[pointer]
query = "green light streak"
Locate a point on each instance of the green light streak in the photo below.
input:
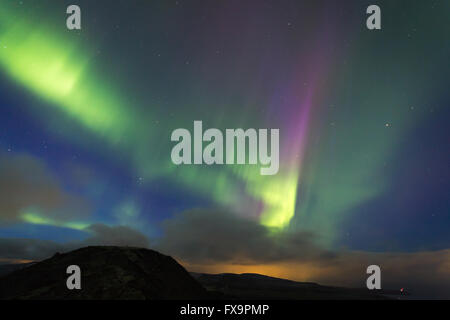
(35, 218)
(56, 68)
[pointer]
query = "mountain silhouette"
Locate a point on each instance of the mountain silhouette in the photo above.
(106, 273)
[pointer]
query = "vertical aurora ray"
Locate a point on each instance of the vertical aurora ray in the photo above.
(280, 194)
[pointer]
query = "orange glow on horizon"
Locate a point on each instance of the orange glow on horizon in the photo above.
(14, 261)
(304, 272)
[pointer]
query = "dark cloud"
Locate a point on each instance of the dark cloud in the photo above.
(25, 182)
(100, 235)
(115, 236)
(202, 235)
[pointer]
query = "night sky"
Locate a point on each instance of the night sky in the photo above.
(86, 117)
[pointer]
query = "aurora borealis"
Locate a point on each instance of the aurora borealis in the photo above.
(86, 119)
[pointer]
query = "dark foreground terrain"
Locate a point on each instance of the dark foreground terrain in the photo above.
(135, 273)
(107, 273)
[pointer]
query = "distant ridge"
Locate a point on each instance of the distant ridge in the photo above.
(256, 286)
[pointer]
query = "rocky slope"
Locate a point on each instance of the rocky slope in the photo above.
(106, 273)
